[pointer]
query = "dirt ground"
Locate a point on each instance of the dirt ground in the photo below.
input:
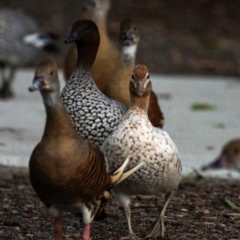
(198, 211)
(184, 36)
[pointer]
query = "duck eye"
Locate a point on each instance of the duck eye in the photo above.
(86, 28)
(135, 28)
(148, 76)
(51, 73)
(236, 151)
(132, 76)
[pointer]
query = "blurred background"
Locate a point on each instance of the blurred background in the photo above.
(177, 37)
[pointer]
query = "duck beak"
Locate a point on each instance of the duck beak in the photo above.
(72, 37)
(140, 90)
(127, 38)
(37, 84)
(219, 163)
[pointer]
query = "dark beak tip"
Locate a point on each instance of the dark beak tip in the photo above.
(215, 165)
(140, 94)
(204, 168)
(31, 89)
(68, 40)
(71, 38)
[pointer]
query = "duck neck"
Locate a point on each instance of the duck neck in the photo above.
(100, 18)
(86, 55)
(129, 53)
(57, 119)
(140, 103)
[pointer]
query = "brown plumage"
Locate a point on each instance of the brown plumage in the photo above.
(108, 54)
(67, 172)
(118, 86)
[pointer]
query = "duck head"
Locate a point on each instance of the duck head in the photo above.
(45, 77)
(129, 34)
(228, 159)
(140, 84)
(84, 32)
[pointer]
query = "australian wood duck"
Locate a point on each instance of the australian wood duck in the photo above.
(118, 86)
(21, 40)
(107, 55)
(94, 115)
(67, 172)
(135, 136)
(229, 157)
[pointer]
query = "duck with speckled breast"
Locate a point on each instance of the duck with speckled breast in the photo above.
(135, 136)
(93, 114)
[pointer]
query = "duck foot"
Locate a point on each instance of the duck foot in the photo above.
(5, 91)
(86, 232)
(130, 237)
(158, 230)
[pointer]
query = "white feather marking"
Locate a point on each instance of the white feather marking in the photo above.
(129, 52)
(86, 213)
(35, 40)
(145, 84)
(134, 83)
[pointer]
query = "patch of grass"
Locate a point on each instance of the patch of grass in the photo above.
(219, 125)
(210, 148)
(231, 204)
(202, 107)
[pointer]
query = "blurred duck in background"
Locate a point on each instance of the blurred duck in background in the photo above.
(228, 159)
(21, 40)
(118, 86)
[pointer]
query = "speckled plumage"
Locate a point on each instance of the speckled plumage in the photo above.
(93, 115)
(135, 136)
(21, 40)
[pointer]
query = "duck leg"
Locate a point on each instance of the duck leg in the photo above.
(86, 232)
(7, 78)
(159, 228)
(131, 234)
(58, 227)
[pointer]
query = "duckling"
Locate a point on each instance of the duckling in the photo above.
(22, 39)
(107, 55)
(229, 157)
(135, 136)
(67, 172)
(93, 115)
(117, 87)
